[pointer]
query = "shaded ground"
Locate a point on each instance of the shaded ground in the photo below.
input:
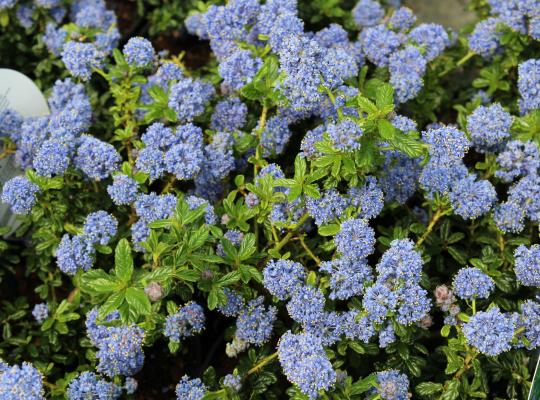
(450, 13)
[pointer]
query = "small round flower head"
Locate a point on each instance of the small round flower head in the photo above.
(140, 232)
(407, 68)
(10, 122)
(96, 332)
(491, 332)
(190, 389)
(123, 190)
(345, 135)
(139, 52)
(251, 200)
(81, 58)
(331, 36)
(189, 97)
(158, 136)
(283, 277)
(471, 198)
(400, 178)
(131, 385)
(329, 329)
(233, 381)
(489, 126)
(518, 159)
(392, 385)
(401, 261)
(357, 328)
(379, 43)
(328, 207)
(367, 13)
(196, 26)
(120, 351)
(347, 277)
(74, 253)
(530, 318)
(402, 19)
(527, 265)
(184, 161)
(444, 297)
(20, 194)
(414, 304)
(306, 305)
(254, 323)
(529, 85)
(356, 239)
(209, 214)
(100, 227)
(285, 26)
(152, 207)
(234, 304)
(275, 136)
(97, 159)
(440, 174)
(369, 198)
(387, 336)
(378, 301)
(486, 38)
(52, 158)
(431, 38)
(21, 383)
(6, 4)
(186, 322)
(305, 363)
(404, 124)
(534, 27)
(239, 68)
(88, 386)
(471, 283)
(446, 142)
(54, 38)
(508, 217)
(229, 115)
(151, 160)
(526, 194)
(40, 312)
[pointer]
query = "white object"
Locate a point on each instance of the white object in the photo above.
(21, 94)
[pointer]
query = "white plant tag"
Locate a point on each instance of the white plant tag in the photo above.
(19, 93)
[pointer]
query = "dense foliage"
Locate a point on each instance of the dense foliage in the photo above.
(339, 202)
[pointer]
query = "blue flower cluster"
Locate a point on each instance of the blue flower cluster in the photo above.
(472, 283)
(255, 322)
(491, 332)
(40, 312)
(186, 322)
(88, 386)
(78, 252)
(139, 52)
(120, 350)
(282, 278)
(20, 194)
(91, 35)
(489, 127)
(305, 363)
(190, 389)
(22, 382)
(527, 265)
(528, 82)
(392, 385)
(149, 208)
(123, 190)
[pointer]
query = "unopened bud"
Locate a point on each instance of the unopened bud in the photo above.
(154, 291)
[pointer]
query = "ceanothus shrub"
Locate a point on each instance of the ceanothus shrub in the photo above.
(342, 212)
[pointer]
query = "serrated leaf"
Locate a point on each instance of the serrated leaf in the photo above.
(123, 261)
(138, 301)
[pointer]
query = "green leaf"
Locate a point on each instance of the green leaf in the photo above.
(138, 301)
(247, 247)
(428, 388)
(363, 385)
(228, 279)
(123, 261)
(97, 281)
(113, 303)
(385, 96)
(452, 391)
(329, 230)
